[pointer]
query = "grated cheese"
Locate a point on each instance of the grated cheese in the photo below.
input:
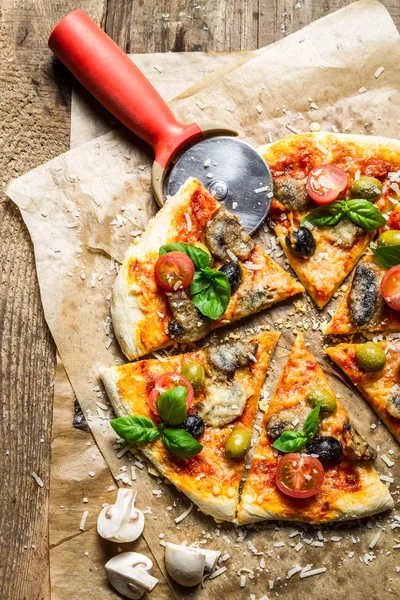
(387, 461)
(379, 72)
(261, 189)
(231, 255)
(218, 572)
(184, 514)
(312, 572)
(292, 129)
(252, 266)
(83, 520)
(188, 221)
(375, 540)
(38, 480)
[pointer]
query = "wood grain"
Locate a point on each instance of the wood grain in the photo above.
(34, 109)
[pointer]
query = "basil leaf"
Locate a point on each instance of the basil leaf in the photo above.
(325, 216)
(135, 429)
(311, 423)
(365, 214)
(387, 256)
(201, 281)
(180, 443)
(171, 405)
(289, 441)
(200, 259)
(212, 300)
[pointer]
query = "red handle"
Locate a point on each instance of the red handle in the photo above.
(106, 71)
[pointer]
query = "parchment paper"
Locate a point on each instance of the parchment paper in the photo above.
(70, 206)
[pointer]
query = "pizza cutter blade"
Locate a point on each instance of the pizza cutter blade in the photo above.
(237, 174)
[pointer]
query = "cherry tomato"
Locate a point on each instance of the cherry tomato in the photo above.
(166, 382)
(327, 183)
(298, 476)
(174, 271)
(393, 221)
(390, 287)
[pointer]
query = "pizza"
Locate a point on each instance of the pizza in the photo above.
(312, 171)
(180, 301)
(363, 307)
(204, 457)
(381, 387)
(331, 478)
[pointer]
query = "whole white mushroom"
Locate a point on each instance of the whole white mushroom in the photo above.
(121, 522)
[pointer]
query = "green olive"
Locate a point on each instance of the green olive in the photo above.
(238, 444)
(206, 250)
(366, 188)
(194, 373)
(328, 402)
(389, 238)
(370, 357)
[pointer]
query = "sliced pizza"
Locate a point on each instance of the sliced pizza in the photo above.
(195, 268)
(374, 368)
(310, 464)
(202, 449)
(363, 307)
(324, 171)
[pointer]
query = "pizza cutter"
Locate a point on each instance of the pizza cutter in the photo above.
(233, 171)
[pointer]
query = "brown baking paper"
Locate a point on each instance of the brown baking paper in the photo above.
(71, 205)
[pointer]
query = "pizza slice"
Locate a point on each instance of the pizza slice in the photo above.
(381, 387)
(311, 171)
(195, 268)
(322, 471)
(204, 456)
(363, 307)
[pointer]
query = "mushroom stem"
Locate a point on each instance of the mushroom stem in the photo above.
(142, 578)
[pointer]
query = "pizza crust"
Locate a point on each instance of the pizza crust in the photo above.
(373, 498)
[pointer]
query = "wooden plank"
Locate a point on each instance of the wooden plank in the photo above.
(190, 25)
(35, 127)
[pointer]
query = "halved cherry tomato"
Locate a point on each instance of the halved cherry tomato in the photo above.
(166, 382)
(299, 476)
(390, 287)
(327, 183)
(174, 271)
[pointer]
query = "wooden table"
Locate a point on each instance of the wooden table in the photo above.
(35, 106)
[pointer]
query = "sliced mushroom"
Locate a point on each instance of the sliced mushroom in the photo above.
(292, 193)
(226, 358)
(188, 324)
(354, 446)
(366, 302)
(130, 574)
(225, 401)
(253, 301)
(225, 233)
(344, 233)
(289, 419)
(393, 406)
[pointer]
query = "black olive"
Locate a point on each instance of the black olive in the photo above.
(175, 329)
(327, 448)
(233, 271)
(194, 425)
(301, 242)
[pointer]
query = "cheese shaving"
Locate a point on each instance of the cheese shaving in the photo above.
(188, 221)
(379, 72)
(37, 479)
(375, 540)
(184, 514)
(252, 266)
(218, 572)
(83, 520)
(312, 572)
(292, 129)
